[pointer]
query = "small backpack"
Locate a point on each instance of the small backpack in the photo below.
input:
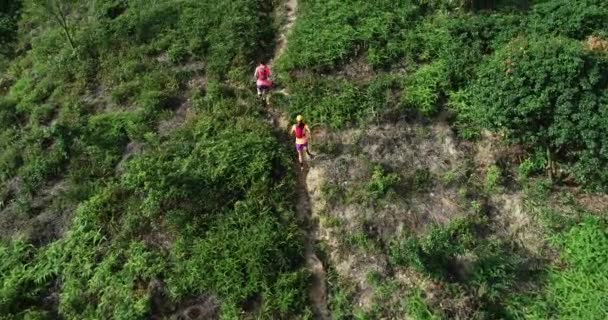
(300, 130)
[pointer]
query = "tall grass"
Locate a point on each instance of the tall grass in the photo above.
(575, 288)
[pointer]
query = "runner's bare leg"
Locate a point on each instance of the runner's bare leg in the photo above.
(300, 157)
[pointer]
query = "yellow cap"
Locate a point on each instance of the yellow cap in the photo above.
(299, 118)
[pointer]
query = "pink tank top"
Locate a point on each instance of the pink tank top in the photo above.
(263, 74)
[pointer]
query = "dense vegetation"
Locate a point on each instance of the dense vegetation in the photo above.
(142, 212)
(527, 74)
(138, 178)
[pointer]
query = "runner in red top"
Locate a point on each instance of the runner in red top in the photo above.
(263, 83)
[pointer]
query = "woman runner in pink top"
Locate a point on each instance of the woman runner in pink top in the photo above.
(302, 133)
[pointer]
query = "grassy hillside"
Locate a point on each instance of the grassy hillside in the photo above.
(461, 148)
(137, 178)
(452, 134)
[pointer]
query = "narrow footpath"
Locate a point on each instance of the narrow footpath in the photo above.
(318, 288)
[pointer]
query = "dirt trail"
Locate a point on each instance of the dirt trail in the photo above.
(318, 289)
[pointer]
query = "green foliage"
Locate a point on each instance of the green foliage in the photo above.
(15, 256)
(417, 307)
(211, 197)
(533, 164)
(422, 89)
(335, 102)
(330, 33)
(340, 294)
(239, 255)
(362, 241)
(357, 36)
(577, 19)
(576, 290)
(237, 239)
(286, 294)
(434, 253)
(545, 93)
(381, 182)
(468, 259)
(177, 53)
(245, 240)
(493, 178)
(9, 15)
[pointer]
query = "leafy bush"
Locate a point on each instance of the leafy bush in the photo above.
(536, 163)
(177, 53)
(493, 178)
(417, 307)
(341, 103)
(381, 182)
(459, 42)
(577, 19)
(544, 93)
(335, 102)
(436, 250)
(422, 89)
(422, 180)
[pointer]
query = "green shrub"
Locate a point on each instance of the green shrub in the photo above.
(381, 182)
(493, 178)
(435, 251)
(362, 241)
(417, 307)
(286, 294)
(577, 19)
(543, 93)
(533, 164)
(463, 255)
(422, 89)
(15, 255)
(330, 33)
(177, 53)
(8, 113)
(238, 253)
(459, 42)
(467, 122)
(340, 295)
(108, 130)
(10, 158)
(335, 102)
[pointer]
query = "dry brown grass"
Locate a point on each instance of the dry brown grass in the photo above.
(595, 43)
(404, 149)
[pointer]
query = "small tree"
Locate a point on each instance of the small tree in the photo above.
(57, 10)
(549, 94)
